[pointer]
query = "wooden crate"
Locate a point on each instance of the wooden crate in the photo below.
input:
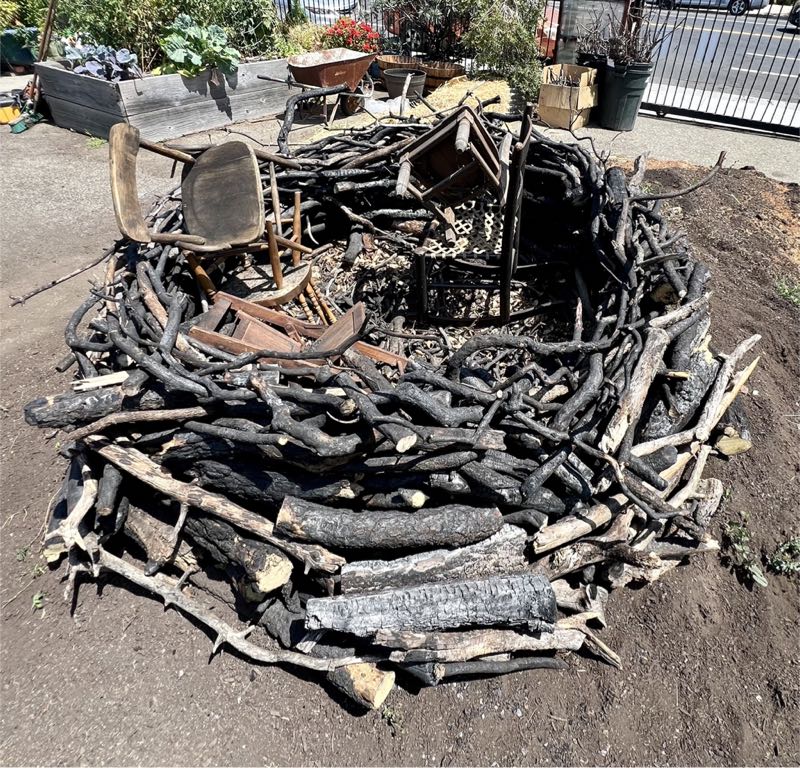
(565, 106)
(164, 106)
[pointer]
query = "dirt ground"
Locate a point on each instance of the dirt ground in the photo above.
(711, 669)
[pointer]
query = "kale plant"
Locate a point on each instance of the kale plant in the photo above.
(191, 49)
(102, 62)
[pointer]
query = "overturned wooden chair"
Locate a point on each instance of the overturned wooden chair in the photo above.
(223, 209)
(493, 275)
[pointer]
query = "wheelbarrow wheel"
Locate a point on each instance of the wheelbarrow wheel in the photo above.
(352, 104)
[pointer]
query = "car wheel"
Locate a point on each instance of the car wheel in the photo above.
(738, 7)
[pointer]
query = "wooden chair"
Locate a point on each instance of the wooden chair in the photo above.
(223, 208)
(481, 276)
(223, 204)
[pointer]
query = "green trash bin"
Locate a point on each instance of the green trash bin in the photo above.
(622, 93)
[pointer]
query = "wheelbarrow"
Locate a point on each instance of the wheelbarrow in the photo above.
(336, 71)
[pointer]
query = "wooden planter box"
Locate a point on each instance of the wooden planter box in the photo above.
(565, 106)
(164, 106)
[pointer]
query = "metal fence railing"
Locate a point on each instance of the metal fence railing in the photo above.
(741, 69)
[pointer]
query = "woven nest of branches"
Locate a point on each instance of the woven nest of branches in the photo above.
(463, 512)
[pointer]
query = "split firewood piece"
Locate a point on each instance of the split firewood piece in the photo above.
(170, 592)
(155, 538)
(97, 382)
(512, 600)
(632, 400)
(576, 526)
(733, 431)
(432, 673)
(256, 566)
(463, 646)
(452, 525)
(141, 467)
(503, 552)
(363, 683)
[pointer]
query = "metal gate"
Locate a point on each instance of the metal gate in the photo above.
(738, 69)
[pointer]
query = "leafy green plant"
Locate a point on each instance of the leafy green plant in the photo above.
(503, 37)
(191, 49)
(786, 558)
(300, 38)
(9, 11)
(37, 602)
(788, 288)
(22, 553)
(101, 61)
(252, 26)
(740, 556)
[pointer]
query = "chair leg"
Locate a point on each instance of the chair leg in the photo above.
(422, 283)
(203, 280)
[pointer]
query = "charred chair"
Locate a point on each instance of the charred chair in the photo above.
(222, 203)
(472, 274)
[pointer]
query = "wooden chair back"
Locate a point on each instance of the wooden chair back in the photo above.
(123, 148)
(223, 200)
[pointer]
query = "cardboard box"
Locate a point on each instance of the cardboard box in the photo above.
(565, 106)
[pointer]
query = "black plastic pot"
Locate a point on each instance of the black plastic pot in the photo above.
(395, 79)
(622, 92)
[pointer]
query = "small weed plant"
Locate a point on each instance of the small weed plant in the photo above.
(786, 558)
(740, 555)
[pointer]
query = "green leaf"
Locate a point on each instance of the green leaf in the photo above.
(758, 576)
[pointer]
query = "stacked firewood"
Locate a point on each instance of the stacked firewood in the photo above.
(463, 513)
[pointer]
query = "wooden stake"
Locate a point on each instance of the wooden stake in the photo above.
(274, 256)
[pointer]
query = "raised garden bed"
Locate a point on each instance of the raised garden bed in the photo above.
(163, 106)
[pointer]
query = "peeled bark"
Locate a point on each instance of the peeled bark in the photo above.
(504, 552)
(511, 600)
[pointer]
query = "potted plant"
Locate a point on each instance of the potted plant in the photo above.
(622, 50)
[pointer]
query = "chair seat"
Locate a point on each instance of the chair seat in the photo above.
(223, 200)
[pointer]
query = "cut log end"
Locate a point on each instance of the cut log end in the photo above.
(364, 684)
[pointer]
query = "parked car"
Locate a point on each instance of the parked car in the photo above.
(734, 7)
(794, 14)
(320, 12)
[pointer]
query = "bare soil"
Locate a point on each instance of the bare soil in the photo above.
(712, 669)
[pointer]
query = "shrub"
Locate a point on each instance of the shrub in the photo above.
(9, 11)
(349, 33)
(300, 38)
(503, 37)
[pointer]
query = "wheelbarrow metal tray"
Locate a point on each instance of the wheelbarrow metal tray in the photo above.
(336, 66)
